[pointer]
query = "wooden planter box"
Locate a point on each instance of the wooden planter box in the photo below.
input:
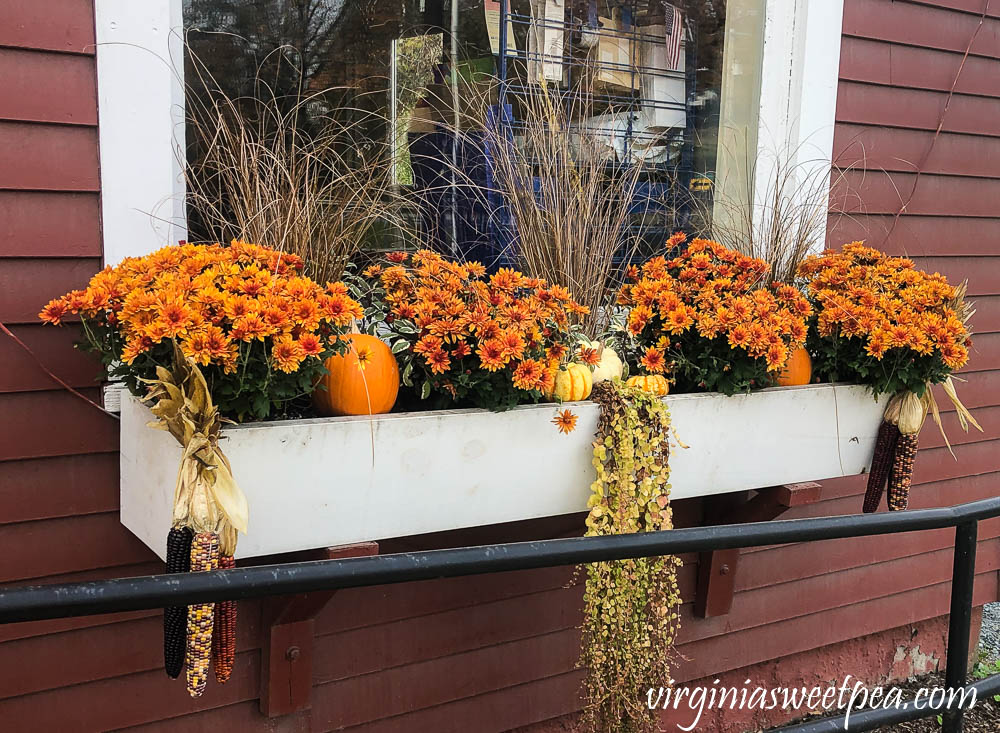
(332, 481)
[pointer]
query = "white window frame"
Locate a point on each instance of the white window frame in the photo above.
(141, 109)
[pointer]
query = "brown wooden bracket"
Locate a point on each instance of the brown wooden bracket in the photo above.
(717, 569)
(289, 625)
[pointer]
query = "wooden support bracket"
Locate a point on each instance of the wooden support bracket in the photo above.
(289, 625)
(717, 569)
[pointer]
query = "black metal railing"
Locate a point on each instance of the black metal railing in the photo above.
(37, 603)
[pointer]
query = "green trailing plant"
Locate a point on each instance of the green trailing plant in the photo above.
(631, 616)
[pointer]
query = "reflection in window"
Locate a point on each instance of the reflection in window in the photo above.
(659, 77)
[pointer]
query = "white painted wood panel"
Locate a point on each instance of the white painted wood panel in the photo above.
(323, 482)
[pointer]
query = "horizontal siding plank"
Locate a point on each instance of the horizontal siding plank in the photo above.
(872, 192)
(49, 488)
(974, 7)
(492, 712)
(67, 545)
(965, 488)
(921, 25)
(390, 603)
(432, 682)
(120, 702)
(38, 664)
(26, 285)
(48, 157)
(869, 104)
(911, 67)
(36, 86)
(819, 593)
(983, 273)
(36, 224)
(56, 25)
(242, 716)
(735, 651)
(887, 149)
(54, 348)
(761, 569)
(917, 235)
(401, 601)
(371, 649)
(55, 423)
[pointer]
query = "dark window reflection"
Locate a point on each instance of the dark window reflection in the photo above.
(341, 53)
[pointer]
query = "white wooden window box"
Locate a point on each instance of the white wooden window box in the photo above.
(332, 481)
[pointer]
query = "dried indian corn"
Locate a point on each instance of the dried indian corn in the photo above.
(885, 450)
(224, 635)
(200, 617)
(175, 617)
(902, 472)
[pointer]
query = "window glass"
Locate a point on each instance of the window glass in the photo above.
(672, 87)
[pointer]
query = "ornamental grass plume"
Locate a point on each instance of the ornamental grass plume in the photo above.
(573, 201)
(268, 167)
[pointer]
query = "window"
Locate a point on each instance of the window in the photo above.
(693, 89)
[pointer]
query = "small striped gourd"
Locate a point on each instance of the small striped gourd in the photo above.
(572, 384)
(655, 384)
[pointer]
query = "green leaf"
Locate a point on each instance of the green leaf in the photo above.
(425, 391)
(407, 372)
(400, 345)
(403, 326)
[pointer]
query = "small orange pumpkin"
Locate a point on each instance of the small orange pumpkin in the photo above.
(797, 371)
(349, 389)
(656, 384)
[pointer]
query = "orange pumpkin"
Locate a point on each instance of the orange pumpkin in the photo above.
(656, 384)
(797, 371)
(349, 389)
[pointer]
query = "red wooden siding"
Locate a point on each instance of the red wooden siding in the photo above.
(496, 652)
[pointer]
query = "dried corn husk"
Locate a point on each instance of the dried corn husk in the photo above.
(912, 413)
(965, 417)
(206, 497)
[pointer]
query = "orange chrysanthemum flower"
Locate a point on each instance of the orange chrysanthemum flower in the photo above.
(527, 374)
(565, 420)
(653, 361)
(287, 354)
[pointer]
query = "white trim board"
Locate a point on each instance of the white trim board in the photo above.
(140, 125)
(141, 95)
(798, 100)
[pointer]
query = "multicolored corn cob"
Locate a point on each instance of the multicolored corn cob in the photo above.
(885, 451)
(200, 617)
(902, 472)
(224, 635)
(175, 617)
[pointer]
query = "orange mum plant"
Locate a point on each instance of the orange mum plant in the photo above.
(882, 322)
(243, 313)
(469, 338)
(706, 319)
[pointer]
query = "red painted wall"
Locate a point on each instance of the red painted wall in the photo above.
(491, 653)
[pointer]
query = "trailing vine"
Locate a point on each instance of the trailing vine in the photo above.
(631, 606)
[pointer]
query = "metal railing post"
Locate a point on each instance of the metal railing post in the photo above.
(960, 622)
